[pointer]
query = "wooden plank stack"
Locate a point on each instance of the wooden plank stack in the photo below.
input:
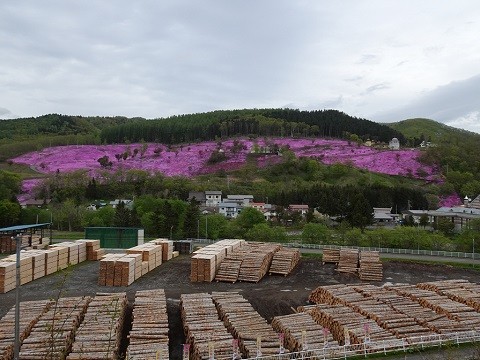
(256, 263)
(228, 270)
(38, 263)
(71, 249)
(371, 268)
(100, 333)
(284, 261)
(30, 311)
(331, 256)
(26, 268)
(51, 261)
(183, 246)
(7, 276)
(149, 333)
(203, 330)
(52, 335)
(246, 324)
(167, 248)
(348, 261)
(293, 326)
(94, 252)
(151, 253)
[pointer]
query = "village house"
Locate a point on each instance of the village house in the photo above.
(302, 209)
(243, 200)
(213, 198)
(230, 209)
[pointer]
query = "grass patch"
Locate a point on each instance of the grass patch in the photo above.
(435, 262)
(312, 256)
(57, 236)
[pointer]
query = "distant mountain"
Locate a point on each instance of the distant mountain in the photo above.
(420, 129)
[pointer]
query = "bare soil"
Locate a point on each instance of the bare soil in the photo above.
(273, 295)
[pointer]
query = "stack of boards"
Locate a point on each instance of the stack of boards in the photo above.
(124, 269)
(8, 244)
(348, 260)
(35, 264)
(149, 334)
(234, 260)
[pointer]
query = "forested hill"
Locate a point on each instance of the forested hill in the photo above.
(262, 122)
(202, 126)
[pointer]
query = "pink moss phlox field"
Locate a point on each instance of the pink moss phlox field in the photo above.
(192, 159)
(450, 200)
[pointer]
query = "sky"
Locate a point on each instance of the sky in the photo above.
(383, 60)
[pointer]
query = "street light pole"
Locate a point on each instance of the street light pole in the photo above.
(17, 299)
(206, 227)
(198, 228)
(171, 232)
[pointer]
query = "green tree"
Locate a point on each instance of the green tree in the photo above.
(9, 213)
(360, 213)
(248, 218)
(444, 225)
(314, 233)
(423, 222)
(192, 218)
(264, 232)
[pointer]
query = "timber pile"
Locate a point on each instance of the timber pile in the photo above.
(183, 246)
(167, 248)
(461, 291)
(51, 261)
(203, 329)
(71, 251)
(256, 262)
(228, 270)
(465, 318)
(346, 324)
(30, 312)
(26, 267)
(371, 268)
(52, 335)
(284, 261)
(7, 276)
(293, 326)
(348, 261)
(33, 241)
(151, 253)
(246, 324)
(331, 256)
(100, 333)
(92, 248)
(149, 334)
(206, 261)
(38, 263)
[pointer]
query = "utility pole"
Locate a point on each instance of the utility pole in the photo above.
(206, 226)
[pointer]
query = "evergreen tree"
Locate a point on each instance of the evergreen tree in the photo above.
(360, 212)
(192, 216)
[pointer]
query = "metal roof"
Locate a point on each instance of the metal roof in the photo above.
(23, 227)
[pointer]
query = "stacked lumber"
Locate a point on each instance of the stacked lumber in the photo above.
(137, 264)
(203, 330)
(52, 335)
(7, 244)
(92, 249)
(175, 254)
(7, 276)
(99, 335)
(228, 270)
(246, 324)
(106, 274)
(38, 263)
(331, 256)
(183, 246)
(62, 256)
(33, 241)
(299, 327)
(72, 250)
(257, 261)
(149, 334)
(167, 248)
(371, 268)
(26, 267)
(51, 261)
(284, 261)
(30, 313)
(151, 253)
(206, 261)
(348, 261)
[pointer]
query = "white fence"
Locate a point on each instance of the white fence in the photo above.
(382, 347)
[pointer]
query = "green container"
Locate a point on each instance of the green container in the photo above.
(115, 237)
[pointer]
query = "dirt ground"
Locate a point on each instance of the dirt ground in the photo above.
(273, 295)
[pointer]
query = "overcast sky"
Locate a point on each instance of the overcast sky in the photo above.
(384, 60)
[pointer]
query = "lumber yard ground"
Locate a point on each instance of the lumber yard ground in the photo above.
(273, 295)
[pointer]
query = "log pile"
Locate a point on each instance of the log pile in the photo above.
(256, 263)
(371, 268)
(149, 334)
(284, 261)
(299, 327)
(228, 270)
(348, 261)
(246, 324)
(461, 291)
(30, 311)
(52, 335)
(331, 256)
(99, 335)
(203, 330)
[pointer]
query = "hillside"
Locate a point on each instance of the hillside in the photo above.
(420, 129)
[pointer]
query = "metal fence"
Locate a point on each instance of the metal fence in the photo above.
(382, 250)
(381, 347)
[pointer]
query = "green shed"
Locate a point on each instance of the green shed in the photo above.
(116, 237)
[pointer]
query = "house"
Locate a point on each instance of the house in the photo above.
(259, 206)
(229, 209)
(394, 144)
(127, 202)
(198, 196)
(382, 215)
(35, 203)
(213, 198)
(243, 200)
(302, 209)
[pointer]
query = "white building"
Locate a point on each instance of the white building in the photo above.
(229, 209)
(243, 200)
(213, 198)
(394, 144)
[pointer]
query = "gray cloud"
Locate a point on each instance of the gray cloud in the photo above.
(377, 87)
